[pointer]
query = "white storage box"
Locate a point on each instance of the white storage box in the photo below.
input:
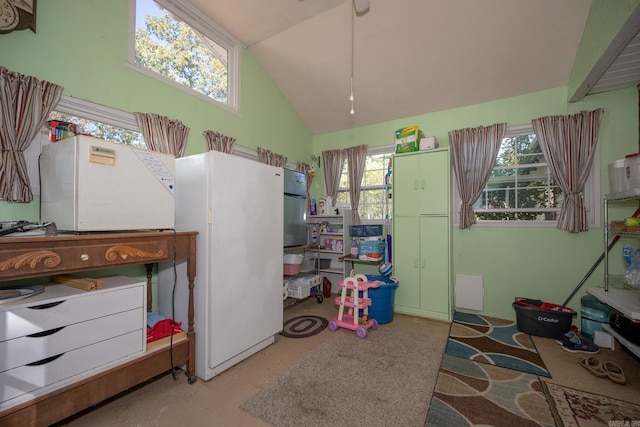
(300, 287)
(428, 143)
(617, 178)
(292, 264)
(632, 170)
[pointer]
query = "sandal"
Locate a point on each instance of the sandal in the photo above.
(593, 365)
(614, 372)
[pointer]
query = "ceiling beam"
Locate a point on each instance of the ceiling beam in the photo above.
(615, 48)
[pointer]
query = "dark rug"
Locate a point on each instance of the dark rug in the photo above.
(571, 407)
(303, 326)
(478, 394)
(494, 341)
(385, 379)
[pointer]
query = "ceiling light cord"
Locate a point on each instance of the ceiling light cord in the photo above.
(353, 18)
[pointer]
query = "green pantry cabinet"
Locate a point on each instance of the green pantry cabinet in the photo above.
(421, 233)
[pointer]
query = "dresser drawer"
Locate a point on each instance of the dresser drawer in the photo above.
(44, 315)
(29, 378)
(31, 348)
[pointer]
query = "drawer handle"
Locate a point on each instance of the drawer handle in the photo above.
(46, 333)
(45, 361)
(45, 306)
(84, 257)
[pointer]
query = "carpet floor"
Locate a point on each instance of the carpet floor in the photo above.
(576, 408)
(494, 341)
(469, 394)
(357, 382)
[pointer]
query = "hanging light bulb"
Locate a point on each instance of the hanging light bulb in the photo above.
(352, 112)
(351, 98)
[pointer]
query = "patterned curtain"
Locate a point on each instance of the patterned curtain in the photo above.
(308, 171)
(271, 158)
(356, 160)
(25, 105)
(163, 134)
(332, 164)
(218, 142)
(569, 144)
(473, 152)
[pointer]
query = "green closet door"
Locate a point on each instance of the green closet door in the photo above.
(406, 261)
(434, 182)
(406, 180)
(434, 251)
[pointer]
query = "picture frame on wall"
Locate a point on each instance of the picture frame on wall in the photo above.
(17, 15)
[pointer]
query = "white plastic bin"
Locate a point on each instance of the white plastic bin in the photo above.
(617, 178)
(632, 170)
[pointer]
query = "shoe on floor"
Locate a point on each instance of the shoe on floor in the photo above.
(583, 346)
(614, 372)
(569, 337)
(594, 366)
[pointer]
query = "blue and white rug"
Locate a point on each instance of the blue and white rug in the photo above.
(494, 341)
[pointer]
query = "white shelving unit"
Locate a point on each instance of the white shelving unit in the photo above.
(613, 292)
(334, 229)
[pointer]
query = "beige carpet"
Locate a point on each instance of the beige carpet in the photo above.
(388, 375)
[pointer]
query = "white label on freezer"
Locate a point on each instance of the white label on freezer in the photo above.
(157, 168)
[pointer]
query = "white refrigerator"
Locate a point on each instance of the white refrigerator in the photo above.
(236, 206)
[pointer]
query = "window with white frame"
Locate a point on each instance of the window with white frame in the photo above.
(522, 189)
(172, 41)
(375, 204)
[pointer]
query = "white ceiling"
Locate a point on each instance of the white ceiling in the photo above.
(411, 57)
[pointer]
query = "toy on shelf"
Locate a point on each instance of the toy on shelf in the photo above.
(350, 298)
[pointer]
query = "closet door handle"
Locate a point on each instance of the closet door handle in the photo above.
(424, 263)
(415, 184)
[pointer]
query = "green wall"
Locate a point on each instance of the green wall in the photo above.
(82, 46)
(544, 263)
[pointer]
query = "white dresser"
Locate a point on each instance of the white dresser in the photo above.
(63, 335)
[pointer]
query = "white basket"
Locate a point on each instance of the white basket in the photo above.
(299, 290)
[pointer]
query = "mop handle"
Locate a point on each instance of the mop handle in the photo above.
(594, 266)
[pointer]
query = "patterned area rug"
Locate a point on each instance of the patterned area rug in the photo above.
(575, 408)
(303, 326)
(477, 394)
(494, 341)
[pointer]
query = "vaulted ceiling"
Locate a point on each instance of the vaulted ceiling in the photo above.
(410, 57)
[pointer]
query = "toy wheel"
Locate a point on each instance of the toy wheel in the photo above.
(319, 298)
(361, 332)
(333, 325)
(374, 325)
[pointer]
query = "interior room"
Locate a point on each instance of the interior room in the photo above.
(460, 171)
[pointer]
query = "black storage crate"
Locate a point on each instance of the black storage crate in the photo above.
(542, 322)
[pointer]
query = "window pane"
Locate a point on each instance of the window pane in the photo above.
(102, 130)
(372, 188)
(172, 48)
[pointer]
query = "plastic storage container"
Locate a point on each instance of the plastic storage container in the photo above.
(617, 178)
(382, 298)
(593, 314)
(632, 170)
(292, 264)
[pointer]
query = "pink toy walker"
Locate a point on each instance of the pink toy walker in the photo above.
(354, 303)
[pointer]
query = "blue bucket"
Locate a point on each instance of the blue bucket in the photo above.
(382, 298)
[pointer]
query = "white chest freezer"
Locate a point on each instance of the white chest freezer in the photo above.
(89, 184)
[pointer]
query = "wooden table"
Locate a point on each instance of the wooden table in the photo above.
(26, 257)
